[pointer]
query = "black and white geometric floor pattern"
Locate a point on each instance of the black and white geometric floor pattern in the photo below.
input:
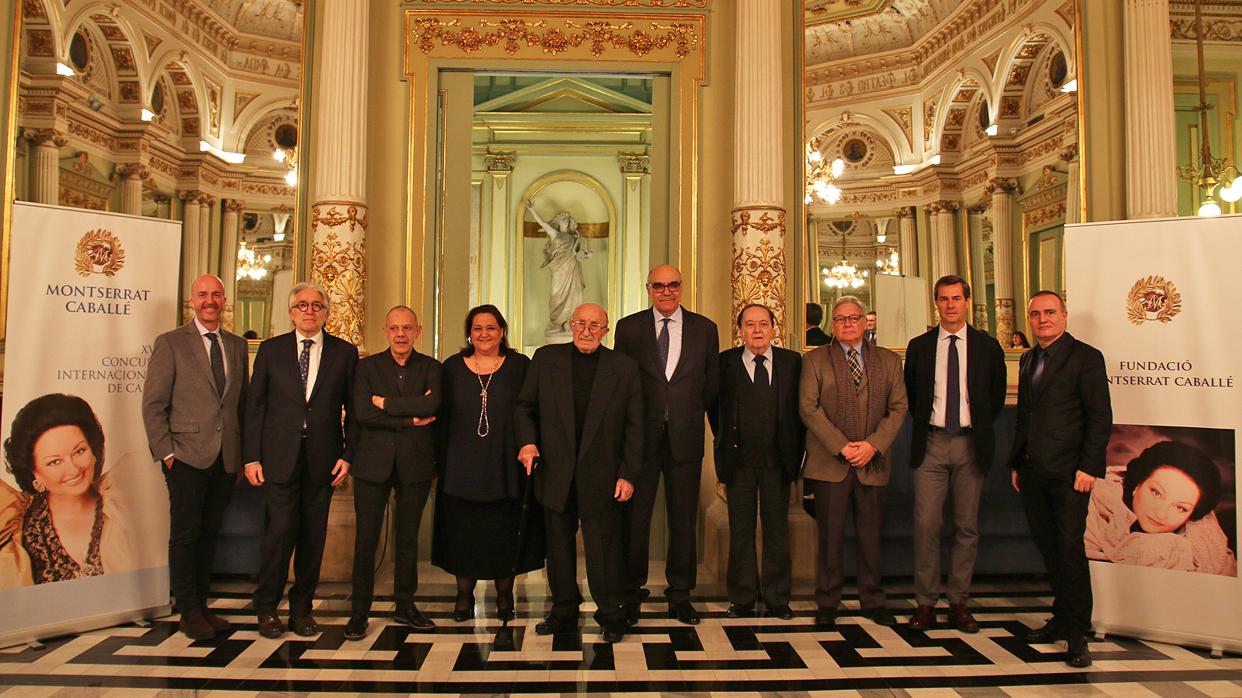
(721, 655)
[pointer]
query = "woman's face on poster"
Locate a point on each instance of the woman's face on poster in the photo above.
(1164, 501)
(64, 461)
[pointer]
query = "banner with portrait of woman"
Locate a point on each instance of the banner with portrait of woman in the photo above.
(83, 508)
(1159, 299)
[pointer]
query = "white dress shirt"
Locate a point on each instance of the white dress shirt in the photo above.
(316, 352)
(202, 332)
(748, 360)
(942, 375)
(674, 337)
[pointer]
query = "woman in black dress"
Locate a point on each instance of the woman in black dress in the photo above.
(481, 485)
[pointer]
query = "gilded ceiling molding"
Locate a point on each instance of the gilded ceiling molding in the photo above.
(581, 3)
(516, 34)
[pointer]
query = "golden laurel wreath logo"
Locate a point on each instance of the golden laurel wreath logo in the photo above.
(1153, 299)
(98, 252)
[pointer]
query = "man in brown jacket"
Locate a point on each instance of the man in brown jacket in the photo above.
(853, 400)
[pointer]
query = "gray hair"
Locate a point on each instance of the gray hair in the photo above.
(848, 299)
(310, 286)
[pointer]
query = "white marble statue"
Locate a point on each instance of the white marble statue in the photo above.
(562, 255)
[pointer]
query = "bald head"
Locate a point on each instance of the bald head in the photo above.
(589, 324)
(664, 288)
(207, 300)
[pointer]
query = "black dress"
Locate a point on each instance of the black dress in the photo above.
(480, 490)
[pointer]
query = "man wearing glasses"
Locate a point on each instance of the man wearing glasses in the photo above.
(678, 356)
(579, 413)
(296, 451)
(853, 400)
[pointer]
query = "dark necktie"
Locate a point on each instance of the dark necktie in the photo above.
(662, 344)
(851, 358)
(761, 372)
(953, 391)
(217, 362)
(304, 361)
(1037, 375)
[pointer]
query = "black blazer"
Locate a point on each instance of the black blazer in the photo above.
(612, 439)
(685, 397)
(790, 433)
(1065, 428)
(276, 409)
(388, 437)
(985, 388)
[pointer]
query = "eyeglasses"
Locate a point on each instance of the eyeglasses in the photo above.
(847, 319)
(659, 286)
(579, 326)
(304, 306)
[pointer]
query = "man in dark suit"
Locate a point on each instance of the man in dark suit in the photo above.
(396, 395)
(853, 402)
(1064, 422)
(955, 381)
(296, 449)
(815, 335)
(678, 354)
(580, 414)
(870, 333)
(191, 407)
(759, 446)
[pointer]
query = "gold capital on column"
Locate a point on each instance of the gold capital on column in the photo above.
(45, 136)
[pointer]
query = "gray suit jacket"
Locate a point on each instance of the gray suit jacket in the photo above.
(181, 411)
(817, 398)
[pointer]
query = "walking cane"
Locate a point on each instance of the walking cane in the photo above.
(504, 636)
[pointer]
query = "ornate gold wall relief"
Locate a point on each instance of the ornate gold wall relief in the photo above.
(598, 36)
(338, 263)
(758, 272)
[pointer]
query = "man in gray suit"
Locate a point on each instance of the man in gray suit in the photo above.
(191, 407)
(853, 400)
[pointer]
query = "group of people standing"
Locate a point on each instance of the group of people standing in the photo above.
(592, 431)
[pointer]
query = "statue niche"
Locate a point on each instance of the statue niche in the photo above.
(563, 254)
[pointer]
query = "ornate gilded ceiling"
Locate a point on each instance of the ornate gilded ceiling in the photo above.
(840, 29)
(273, 19)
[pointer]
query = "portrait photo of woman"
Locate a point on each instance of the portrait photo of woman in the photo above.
(1159, 508)
(64, 520)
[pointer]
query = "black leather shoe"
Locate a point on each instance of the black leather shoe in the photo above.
(270, 626)
(1077, 654)
(462, 615)
(356, 628)
(217, 623)
(304, 626)
(880, 616)
(1049, 632)
(684, 612)
(195, 626)
(826, 618)
(556, 624)
(504, 607)
(411, 616)
(739, 611)
(782, 612)
(613, 634)
(924, 618)
(629, 611)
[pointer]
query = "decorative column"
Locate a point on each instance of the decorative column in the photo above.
(45, 184)
(1151, 128)
(907, 238)
(191, 219)
(228, 256)
(1073, 185)
(500, 171)
(338, 182)
(163, 205)
(205, 233)
(758, 272)
(944, 241)
(1001, 189)
(132, 176)
(634, 174)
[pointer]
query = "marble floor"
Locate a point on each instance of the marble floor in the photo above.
(750, 656)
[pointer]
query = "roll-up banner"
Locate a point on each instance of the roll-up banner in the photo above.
(1160, 299)
(83, 509)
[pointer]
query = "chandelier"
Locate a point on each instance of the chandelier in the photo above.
(288, 156)
(821, 175)
(888, 264)
(250, 265)
(1214, 176)
(844, 275)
